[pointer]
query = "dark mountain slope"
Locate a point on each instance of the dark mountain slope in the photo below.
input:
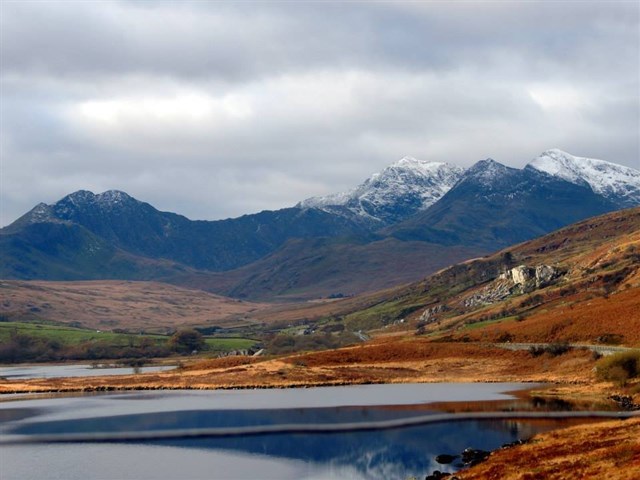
(311, 268)
(66, 251)
(80, 226)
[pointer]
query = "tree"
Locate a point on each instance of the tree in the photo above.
(507, 259)
(186, 341)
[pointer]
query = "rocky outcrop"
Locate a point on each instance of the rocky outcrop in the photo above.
(445, 459)
(495, 292)
(432, 314)
(473, 456)
(531, 278)
(516, 280)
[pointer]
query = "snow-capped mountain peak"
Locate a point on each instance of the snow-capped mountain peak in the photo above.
(411, 163)
(73, 204)
(108, 199)
(113, 197)
(398, 191)
(614, 182)
(487, 168)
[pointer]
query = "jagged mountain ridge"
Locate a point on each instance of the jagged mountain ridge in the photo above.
(410, 185)
(493, 206)
(112, 235)
(617, 183)
(138, 228)
(397, 192)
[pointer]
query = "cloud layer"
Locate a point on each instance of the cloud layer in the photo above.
(216, 109)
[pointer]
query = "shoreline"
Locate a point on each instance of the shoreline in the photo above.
(607, 448)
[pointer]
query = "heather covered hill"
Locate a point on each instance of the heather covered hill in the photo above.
(592, 293)
(120, 305)
(578, 284)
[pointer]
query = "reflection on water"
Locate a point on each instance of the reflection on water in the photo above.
(398, 453)
(382, 454)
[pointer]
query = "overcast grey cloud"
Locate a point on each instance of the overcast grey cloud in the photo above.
(216, 109)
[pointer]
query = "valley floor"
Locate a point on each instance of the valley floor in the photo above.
(610, 448)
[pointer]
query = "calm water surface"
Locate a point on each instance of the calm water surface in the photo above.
(383, 454)
(62, 371)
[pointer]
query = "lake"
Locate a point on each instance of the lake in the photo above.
(375, 454)
(62, 371)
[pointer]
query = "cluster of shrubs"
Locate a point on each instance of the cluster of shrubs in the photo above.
(26, 348)
(619, 367)
(21, 347)
(610, 339)
(532, 300)
(553, 349)
(280, 344)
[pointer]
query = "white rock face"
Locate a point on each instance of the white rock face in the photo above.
(529, 276)
(615, 182)
(403, 188)
(521, 274)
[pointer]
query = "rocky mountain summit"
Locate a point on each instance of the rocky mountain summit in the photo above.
(614, 182)
(397, 192)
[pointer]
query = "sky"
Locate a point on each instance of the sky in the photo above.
(218, 109)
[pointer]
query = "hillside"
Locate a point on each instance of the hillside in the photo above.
(592, 294)
(586, 289)
(120, 305)
(305, 269)
(92, 227)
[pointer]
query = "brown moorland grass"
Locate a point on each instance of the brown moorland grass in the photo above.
(396, 361)
(581, 317)
(603, 450)
(108, 304)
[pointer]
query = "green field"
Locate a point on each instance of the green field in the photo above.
(73, 336)
(228, 344)
(67, 335)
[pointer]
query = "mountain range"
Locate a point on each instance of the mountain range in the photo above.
(400, 224)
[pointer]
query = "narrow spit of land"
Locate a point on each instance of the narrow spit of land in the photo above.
(385, 360)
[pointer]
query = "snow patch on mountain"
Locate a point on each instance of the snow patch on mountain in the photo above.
(113, 197)
(86, 201)
(41, 213)
(84, 197)
(398, 191)
(614, 182)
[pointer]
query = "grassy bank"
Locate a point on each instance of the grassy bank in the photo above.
(28, 341)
